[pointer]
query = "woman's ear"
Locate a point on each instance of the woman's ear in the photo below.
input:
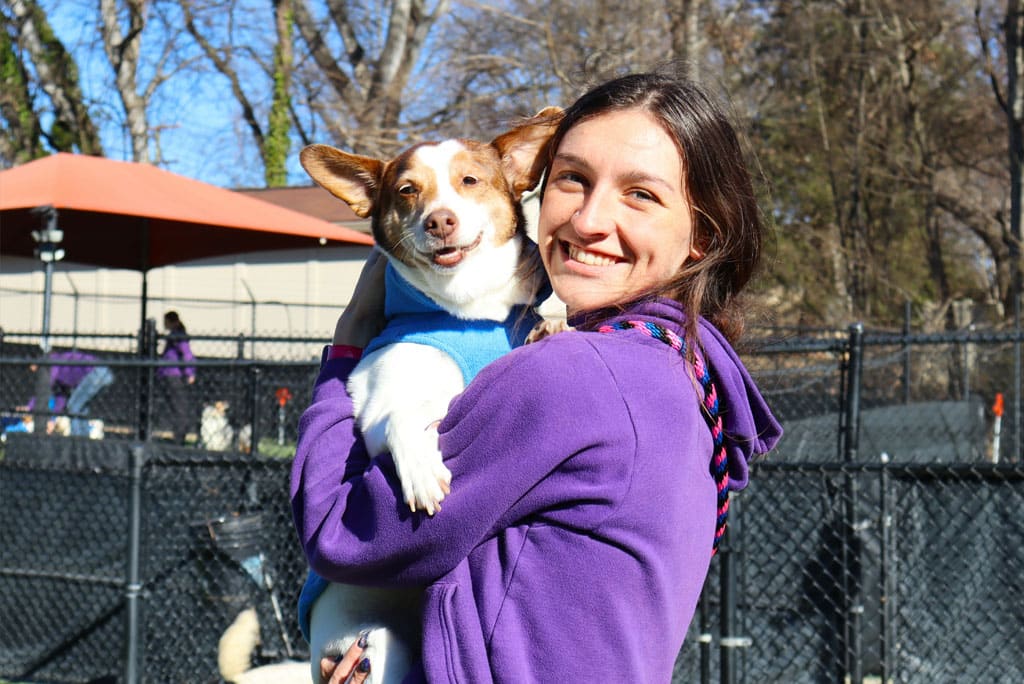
(696, 253)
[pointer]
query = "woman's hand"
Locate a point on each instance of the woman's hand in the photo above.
(363, 318)
(351, 668)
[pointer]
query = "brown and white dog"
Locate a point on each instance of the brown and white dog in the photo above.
(448, 218)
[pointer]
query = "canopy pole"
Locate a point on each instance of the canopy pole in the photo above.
(144, 262)
(47, 296)
(47, 239)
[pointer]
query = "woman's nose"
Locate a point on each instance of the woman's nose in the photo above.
(593, 217)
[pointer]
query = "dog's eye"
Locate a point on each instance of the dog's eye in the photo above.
(470, 180)
(407, 189)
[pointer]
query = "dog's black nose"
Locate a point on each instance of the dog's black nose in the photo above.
(441, 223)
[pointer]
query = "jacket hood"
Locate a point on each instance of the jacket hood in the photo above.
(750, 427)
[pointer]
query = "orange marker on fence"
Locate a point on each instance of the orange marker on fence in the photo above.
(997, 409)
(283, 395)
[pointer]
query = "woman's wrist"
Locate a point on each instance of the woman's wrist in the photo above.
(356, 328)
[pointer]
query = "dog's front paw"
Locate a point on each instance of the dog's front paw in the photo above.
(424, 477)
(547, 328)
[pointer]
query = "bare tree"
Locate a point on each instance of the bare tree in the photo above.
(1004, 66)
(122, 46)
(1012, 104)
(258, 67)
(360, 91)
(21, 131)
(277, 143)
(500, 62)
(880, 153)
(57, 74)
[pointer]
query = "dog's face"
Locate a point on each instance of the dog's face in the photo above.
(439, 205)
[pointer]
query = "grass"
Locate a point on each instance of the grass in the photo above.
(269, 447)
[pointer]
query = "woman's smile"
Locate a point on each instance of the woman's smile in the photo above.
(588, 257)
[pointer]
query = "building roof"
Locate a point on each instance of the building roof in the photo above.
(120, 214)
(312, 200)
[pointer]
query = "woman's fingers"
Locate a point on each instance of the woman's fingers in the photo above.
(362, 672)
(350, 664)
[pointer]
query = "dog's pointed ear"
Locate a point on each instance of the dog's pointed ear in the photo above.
(349, 177)
(524, 149)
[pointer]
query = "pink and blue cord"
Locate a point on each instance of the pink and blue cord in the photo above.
(719, 460)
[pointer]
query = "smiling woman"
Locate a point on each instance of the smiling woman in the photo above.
(615, 220)
(590, 470)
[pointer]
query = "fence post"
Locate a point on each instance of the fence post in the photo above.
(968, 364)
(147, 352)
(704, 640)
(254, 410)
(886, 566)
(137, 459)
(729, 641)
(853, 650)
(1017, 426)
(906, 351)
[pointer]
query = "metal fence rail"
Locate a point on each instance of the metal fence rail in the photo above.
(880, 542)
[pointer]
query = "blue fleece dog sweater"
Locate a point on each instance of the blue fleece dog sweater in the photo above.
(413, 317)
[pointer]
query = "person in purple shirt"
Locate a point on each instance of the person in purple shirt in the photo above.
(591, 470)
(176, 379)
(72, 387)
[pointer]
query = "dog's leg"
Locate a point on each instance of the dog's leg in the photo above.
(400, 393)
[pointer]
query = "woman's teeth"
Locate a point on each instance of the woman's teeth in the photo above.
(589, 258)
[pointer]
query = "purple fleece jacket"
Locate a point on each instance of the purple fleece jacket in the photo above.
(577, 536)
(67, 377)
(176, 348)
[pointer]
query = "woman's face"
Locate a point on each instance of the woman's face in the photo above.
(615, 220)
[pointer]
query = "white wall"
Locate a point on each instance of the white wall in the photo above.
(298, 293)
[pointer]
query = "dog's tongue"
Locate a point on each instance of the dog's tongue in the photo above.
(447, 257)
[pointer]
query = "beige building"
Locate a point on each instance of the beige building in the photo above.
(293, 293)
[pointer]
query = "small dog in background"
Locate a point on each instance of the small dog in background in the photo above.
(235, 652)
(215, 431)
(448, 218)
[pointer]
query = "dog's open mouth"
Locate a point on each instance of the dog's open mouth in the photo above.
(447, 257)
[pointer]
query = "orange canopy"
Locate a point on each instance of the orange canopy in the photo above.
(137, 216)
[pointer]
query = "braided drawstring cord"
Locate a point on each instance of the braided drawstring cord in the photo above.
(719, 460)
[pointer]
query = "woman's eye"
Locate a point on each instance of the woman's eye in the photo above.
(570, 177)
(642, 195)
(470, 180)
(407, 189)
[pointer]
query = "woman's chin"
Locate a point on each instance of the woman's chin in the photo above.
(580, 302)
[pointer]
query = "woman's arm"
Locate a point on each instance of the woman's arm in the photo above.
(502, 440)
(363, 318)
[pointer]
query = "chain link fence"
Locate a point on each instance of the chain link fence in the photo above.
(247, 396)
(880, 542)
